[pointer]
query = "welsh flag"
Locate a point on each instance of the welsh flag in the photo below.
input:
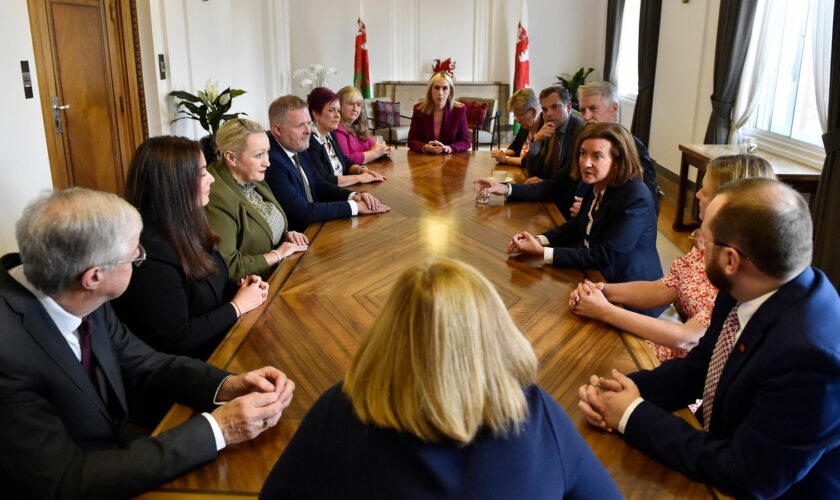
(521, 64)
(361, 64)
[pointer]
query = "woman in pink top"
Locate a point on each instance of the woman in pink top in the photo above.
(353, 135)
(685, 285)
(439, 123)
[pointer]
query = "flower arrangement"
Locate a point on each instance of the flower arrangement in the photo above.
(208, 107)
(313, 76)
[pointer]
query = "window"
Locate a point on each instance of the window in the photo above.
(788, 106)
(627, 67)
(783, 92)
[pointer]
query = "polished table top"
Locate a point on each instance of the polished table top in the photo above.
(322, 302)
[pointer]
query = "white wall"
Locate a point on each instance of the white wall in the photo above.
(24, 168)
(684, 72)
(238, 43)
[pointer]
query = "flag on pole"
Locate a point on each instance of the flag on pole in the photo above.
(521, 64)
(361, 64)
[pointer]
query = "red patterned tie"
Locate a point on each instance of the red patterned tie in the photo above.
(725, 342)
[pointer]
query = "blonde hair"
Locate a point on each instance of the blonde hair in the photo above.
(358, 128)
(427, 105)
(232, 136)
(728, 168)
(443, 359)
(524, 100)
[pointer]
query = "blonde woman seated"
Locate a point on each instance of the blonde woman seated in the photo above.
(685, 285)
(439, 123)
(440, 401)
(251, 225)
(353, 135)
(526, 111)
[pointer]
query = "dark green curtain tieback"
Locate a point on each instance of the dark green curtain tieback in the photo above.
(831, 141)
(722, 108)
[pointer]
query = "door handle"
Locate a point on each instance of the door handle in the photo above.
(57, 108)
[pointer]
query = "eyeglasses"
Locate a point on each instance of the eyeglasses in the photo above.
(737, 250)
(697, 238)
(137, 260)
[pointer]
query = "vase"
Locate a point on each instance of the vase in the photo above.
(208, 147)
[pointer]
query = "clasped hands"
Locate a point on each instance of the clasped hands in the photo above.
(436, 147)
(525, 243)
(603, 401)
(254, 402)
(368, 204)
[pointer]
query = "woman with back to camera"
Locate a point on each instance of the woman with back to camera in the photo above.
(685, 285)
(615, 229)
(325, 155)
(353, 135)
(180, 300)
(244, 213)
(439, 123)
(440, 401)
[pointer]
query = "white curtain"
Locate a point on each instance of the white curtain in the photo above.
(822, 14)
(759, 68)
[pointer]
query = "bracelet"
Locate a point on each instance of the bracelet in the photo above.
(236, 308)
(279, 258)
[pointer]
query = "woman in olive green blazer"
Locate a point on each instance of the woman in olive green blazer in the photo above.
(250, 223)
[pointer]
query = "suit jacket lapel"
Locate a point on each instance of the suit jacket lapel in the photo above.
(40, 326)
(224, 174)
(105, 358)
(754, 333)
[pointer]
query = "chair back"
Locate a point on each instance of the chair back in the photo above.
(480, 113)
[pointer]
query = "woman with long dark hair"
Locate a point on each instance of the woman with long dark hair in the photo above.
(181, 300)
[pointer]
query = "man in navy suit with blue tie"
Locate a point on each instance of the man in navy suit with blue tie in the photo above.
(768, 367)
(304, 197)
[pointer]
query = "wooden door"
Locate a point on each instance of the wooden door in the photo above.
(89, 85)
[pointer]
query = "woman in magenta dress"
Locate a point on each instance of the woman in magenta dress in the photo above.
(685, 285)
(439, 123)
(353, 135)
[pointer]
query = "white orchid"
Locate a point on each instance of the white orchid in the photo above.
(314, 75)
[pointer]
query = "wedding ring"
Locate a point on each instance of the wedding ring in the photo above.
(265, 423)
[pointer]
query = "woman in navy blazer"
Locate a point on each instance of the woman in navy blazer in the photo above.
(440, 401)
(439, 124)
(615, 229)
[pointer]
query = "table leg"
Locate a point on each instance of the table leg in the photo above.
(679, 225)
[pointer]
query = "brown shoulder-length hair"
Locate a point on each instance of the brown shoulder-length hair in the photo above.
(358, 128)
(444, 359)
(163, 185)
(625, 157)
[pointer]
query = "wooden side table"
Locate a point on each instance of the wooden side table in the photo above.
(801, 177)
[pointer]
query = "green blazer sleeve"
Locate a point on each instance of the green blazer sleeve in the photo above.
(244, 234)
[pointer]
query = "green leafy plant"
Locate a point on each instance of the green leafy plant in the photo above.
(573, 82)
(208, 107)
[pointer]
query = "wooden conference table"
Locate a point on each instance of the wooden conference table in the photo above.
(322, 302)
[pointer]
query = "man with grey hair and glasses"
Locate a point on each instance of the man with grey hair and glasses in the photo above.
(66, 362)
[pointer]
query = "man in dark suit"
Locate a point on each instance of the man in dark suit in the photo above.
(550, 156)
(66, 362)
(304, 197)
(768, 368)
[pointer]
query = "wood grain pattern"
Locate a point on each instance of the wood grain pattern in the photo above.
(322, 303)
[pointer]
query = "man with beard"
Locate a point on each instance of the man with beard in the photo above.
(768, 368)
